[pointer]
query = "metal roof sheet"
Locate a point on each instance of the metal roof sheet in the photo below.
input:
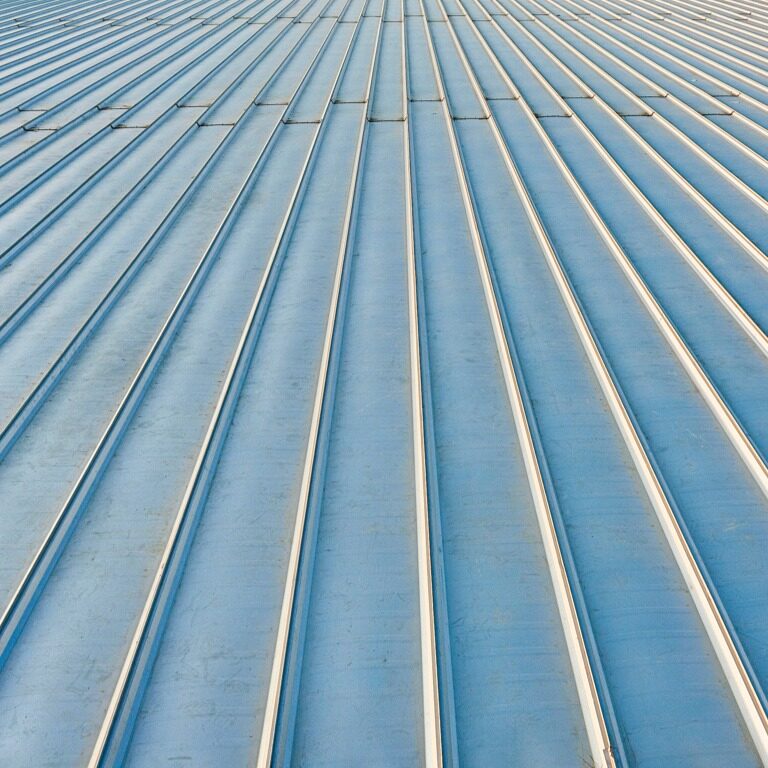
(383, 382)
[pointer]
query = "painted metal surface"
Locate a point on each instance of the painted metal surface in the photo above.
(383, 382)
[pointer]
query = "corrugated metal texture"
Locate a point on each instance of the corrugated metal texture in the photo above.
(383, 382)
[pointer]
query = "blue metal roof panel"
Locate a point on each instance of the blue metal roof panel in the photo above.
(383, 383)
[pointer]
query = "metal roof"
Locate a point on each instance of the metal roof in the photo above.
(383, 383)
